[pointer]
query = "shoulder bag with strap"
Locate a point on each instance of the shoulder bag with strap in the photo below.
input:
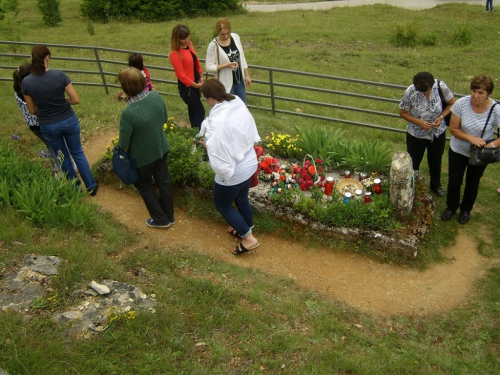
(447, 118)
(485, 155)
(217, 73)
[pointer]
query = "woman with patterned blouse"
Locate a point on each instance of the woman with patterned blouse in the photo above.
(421, 106)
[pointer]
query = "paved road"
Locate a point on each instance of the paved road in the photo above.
(410, 4)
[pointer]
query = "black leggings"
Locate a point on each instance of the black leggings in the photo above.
(191, 97)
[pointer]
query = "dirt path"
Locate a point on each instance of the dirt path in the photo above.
(360, 281)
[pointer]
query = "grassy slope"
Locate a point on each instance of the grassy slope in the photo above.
(253, 322)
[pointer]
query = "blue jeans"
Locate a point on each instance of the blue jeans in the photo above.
(241, 219)
(65, 136)
(489, 5)
(239, 89)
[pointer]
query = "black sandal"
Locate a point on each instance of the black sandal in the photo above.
(233, 232)
(240, 249)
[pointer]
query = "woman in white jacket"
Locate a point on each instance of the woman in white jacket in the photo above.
(229, 137)
(226, 59)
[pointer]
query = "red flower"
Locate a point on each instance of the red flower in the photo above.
(312, 170)
(319, 161)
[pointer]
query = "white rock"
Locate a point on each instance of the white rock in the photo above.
(99, 288)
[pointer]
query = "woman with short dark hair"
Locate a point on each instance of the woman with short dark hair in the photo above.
(142, 134)
(44, 92)
(229, 136)
(422, 108)
(468, 119)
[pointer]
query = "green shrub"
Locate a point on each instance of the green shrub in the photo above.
(366, 156)
(405, 36)
(462, 36)
(321, 142)
(156, 11)
(430, 39)
(50, 12)
(30, 189)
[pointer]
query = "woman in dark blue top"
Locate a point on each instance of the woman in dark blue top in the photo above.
(45, 92)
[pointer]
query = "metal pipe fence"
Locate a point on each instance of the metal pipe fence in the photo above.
(330, 98)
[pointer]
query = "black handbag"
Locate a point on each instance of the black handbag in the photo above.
(447, 118)
(484, 155)
(124, 166)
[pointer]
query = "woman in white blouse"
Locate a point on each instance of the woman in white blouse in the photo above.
(229, 136)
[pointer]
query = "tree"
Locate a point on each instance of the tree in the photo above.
(50, 12)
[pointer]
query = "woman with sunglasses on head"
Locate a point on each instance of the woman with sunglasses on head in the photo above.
(49, 94)
(189, 74)
(226, 59)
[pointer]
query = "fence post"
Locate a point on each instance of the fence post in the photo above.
(273, 104)
(100, 70)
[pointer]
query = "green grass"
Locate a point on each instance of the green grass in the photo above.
(252, 322)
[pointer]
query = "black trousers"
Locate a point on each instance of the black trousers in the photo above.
(160, 209)
(458, 166)
(192, 98)
(416, 148)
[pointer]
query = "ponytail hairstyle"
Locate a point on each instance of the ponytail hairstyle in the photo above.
(179, 33)
(19, 74)
(38, 55)
(213, 88)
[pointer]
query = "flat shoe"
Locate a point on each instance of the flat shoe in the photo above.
(233, 232)
(240, 249)
(464, 217)
(439, 192)
(447, 214)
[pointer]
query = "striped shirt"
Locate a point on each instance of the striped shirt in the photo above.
(472, 123)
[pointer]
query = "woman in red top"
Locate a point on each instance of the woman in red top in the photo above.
(189, 74)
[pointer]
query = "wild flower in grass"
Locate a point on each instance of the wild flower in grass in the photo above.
(41, 154)
(169, 125)
(15, 137)
(110, 147)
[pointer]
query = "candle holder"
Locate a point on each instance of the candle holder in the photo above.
(368, 197)
(347, 198)
(347, 174)
(329, 183)
(358, 194)
(363, 176)
(377, 186)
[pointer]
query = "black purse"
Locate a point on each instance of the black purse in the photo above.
(484, 155)
(124, 166)
(447, 118)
